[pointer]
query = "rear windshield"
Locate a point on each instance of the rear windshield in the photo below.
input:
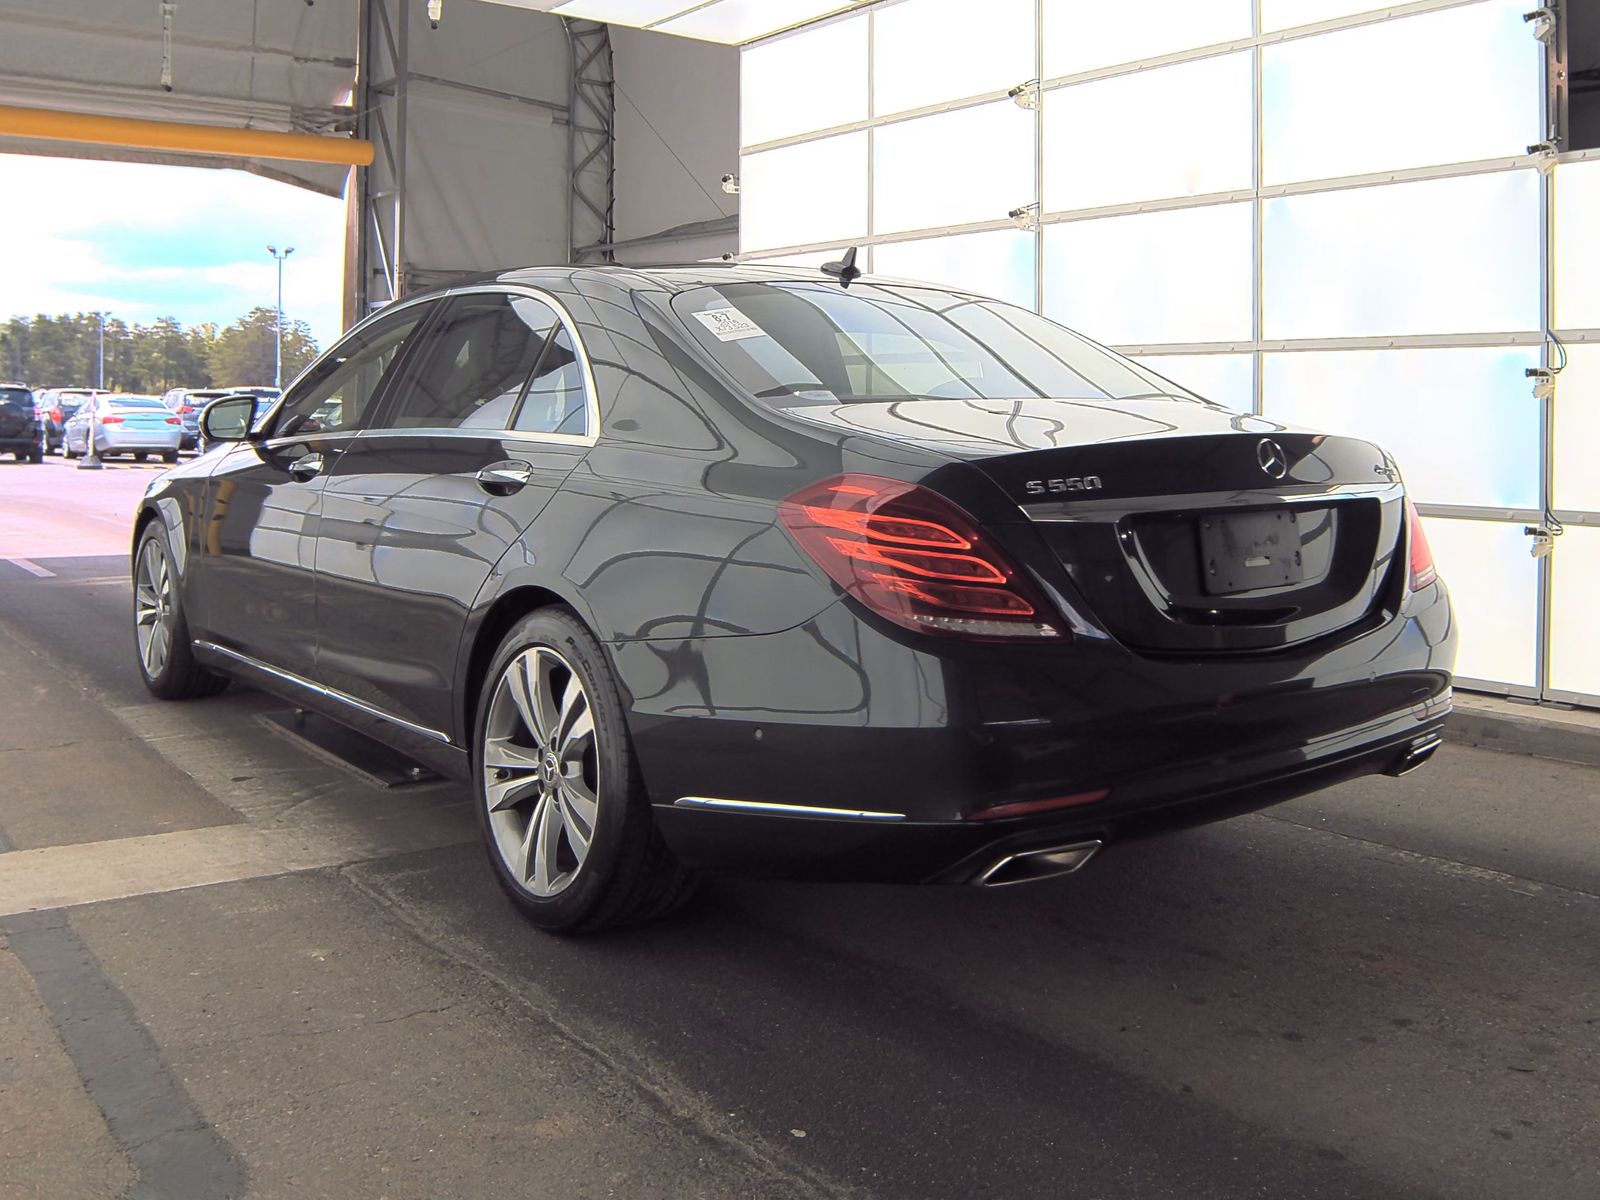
(136, 402)
(817, 343)
(15, 397)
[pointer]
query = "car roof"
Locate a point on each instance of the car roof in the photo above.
(679, 277)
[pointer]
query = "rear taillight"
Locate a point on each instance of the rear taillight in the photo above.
(111, 420)
(55, 415)
(174, 420)
(915, 558)
(185, 408)
(1423, 571)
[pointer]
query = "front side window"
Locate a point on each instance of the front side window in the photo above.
(335, 394)
(817, 343)
(480, 365)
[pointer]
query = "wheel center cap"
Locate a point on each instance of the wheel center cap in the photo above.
(550, 769)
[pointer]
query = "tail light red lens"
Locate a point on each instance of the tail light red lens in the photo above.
(55, 415)
(174, 420)
(185, 408)
(1027, 808)
(1423, 571)
(914, 558)
(111, 420)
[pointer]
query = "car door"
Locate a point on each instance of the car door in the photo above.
(488, 417)
(262, 502)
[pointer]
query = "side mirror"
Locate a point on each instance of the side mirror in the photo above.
(228, 419)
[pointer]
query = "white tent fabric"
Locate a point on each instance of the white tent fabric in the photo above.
(248, 64)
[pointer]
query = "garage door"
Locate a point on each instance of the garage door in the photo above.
(1312, 210)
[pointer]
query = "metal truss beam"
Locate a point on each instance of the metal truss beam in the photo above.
(592, 108)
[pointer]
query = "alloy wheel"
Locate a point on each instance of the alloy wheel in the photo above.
(154, 610)
(541, 771)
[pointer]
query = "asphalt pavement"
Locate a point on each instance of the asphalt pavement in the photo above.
(229, 968)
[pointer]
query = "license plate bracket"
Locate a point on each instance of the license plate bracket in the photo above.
(1242, 552)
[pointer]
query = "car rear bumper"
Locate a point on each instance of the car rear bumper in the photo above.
(912, 745)
(870, 848)
(148, 440)
(12, 444)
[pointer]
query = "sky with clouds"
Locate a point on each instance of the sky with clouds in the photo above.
(143, 242)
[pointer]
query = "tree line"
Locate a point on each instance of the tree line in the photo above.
(64, 351)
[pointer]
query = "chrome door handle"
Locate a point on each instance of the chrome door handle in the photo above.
(306, 467)
(503, 478)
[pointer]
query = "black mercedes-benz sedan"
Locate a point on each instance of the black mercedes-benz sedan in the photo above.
(740, 568)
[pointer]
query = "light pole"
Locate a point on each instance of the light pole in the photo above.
(277, 378)
(100, 369)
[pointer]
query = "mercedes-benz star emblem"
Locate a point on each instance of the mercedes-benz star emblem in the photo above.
(1272, 458)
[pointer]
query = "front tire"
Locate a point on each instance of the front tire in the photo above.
(560, 800)
(160, 630)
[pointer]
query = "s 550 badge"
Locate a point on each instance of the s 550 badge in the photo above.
(1072, 483)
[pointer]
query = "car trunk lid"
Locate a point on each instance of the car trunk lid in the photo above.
(1185, 528)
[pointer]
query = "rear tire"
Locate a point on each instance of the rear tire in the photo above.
(139, 456)
(67, 452)
(160, 631)
(566, 789)
(171, 456)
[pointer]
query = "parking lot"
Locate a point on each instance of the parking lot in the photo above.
(241, 965)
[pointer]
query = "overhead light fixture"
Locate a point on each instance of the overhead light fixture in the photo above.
(435, 11)
(1026, 217)
(730, 184)
(1543, 21)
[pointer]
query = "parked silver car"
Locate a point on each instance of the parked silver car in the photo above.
(188, 403)
(125, 424)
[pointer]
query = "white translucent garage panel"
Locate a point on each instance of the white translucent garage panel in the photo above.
(1181, 276)
(975, 164)
(776, 98)
(1285, 14)
(1228, 379)
(812, 192)
(795, 260)
(1574, 649)
(928, 51)
(998, 263)
(1441, 256)
(1463, 424)
(1494, 587)
(1197, 117)
(1080, 36)
(1577, 430)
(1577, 265)
(1316, 125)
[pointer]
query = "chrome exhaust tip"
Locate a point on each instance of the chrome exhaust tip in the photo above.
(1418, 756)
(1026, 866)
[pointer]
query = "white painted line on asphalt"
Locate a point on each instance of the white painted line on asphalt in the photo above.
(31, 567)
(62, 876)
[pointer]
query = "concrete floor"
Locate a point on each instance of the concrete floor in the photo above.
(228, 968)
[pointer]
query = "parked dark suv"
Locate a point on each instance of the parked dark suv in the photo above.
(738, 568)
(19, 423)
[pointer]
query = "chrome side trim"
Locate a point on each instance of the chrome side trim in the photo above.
(319, 689)
(762, 808)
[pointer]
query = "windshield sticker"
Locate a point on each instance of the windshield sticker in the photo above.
(728, 324)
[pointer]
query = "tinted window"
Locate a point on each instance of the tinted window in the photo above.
(335, 392)
(476, 365)
(798, 343)
(136, 402)
(15, 398)
(555, 399)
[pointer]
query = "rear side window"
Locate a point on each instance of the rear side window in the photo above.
(554, 402)
(15, 398)
(478, 364)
